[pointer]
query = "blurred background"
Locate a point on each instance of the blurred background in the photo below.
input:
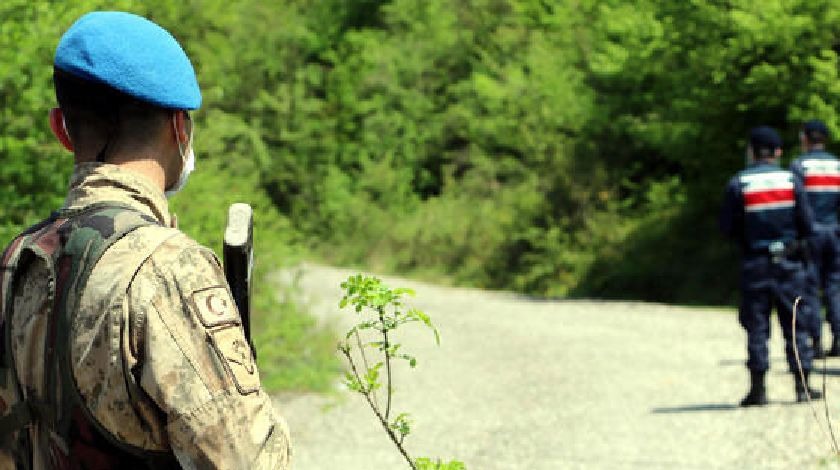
(556, 149)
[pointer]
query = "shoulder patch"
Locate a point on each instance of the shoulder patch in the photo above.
(235, 353)
(215, 307)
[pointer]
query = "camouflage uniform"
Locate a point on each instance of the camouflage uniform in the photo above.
(156, 346)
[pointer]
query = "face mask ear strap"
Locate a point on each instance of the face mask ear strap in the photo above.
(182, 148)
(177, 135)
(58, 126)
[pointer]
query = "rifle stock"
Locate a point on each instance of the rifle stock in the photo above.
(238, 256)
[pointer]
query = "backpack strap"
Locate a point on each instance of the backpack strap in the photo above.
(153, 237)
(85, 237)
(70, 243)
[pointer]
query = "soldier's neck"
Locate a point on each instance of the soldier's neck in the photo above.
(149, 168)
(144, 160)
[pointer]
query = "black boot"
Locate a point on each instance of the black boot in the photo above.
(816, 345)
(801, 386)
(757, 395)
(835, 347)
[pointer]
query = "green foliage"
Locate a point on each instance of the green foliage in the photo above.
(446, 137)
(294, 352)
(679, 85)
(32, 173)
(428, 464)
(554, 148)
(381, 311)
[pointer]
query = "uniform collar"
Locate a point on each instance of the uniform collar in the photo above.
(815, 152)
(764, 163)
(95, 182)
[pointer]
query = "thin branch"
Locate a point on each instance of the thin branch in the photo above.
(346, 353)
(367, 394)
(391, 434)
(387, 346)
(825, 404)
(802, 377)
(364, 359)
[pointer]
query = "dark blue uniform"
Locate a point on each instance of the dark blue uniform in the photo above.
(819, 172)
(766, 213)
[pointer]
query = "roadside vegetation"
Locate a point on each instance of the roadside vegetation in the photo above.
(372, 343)
(551, 148)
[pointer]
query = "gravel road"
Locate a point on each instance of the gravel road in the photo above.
(519, 383)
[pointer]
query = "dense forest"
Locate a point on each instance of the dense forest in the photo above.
(556, 148)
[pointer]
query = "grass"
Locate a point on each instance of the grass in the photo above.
(294, 352)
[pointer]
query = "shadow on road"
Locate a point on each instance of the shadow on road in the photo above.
(718, 406)
(695, 408)
(742, 362)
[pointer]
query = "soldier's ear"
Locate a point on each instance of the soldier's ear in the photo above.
(182, 125)
(749, 154)
(59, 128)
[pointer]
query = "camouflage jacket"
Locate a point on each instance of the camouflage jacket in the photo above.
(156, 345)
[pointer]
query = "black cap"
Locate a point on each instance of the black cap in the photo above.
(815, 130)
(765, 137)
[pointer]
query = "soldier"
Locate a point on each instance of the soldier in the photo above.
(122, 346)
(765, 212)
(820, 173)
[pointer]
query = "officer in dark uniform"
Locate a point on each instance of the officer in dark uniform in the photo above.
(819, 172)
(765, 212)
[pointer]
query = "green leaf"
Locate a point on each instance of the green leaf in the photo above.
(412, 361)
(424, 463)
(372, 377)
(404, 291)
(353, 383)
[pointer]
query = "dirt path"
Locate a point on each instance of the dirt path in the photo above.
(526, 384)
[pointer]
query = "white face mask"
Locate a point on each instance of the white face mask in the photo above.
(187, 165)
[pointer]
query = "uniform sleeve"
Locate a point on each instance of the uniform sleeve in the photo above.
(804, 212)
(797, 170)
(198, 369)
(732, 212)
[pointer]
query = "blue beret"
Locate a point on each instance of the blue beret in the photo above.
(765, 137)
(131, 54)
(815, 126)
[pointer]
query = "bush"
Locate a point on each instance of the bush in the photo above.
(551, 148)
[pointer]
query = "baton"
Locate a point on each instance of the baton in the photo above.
(238, 256)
